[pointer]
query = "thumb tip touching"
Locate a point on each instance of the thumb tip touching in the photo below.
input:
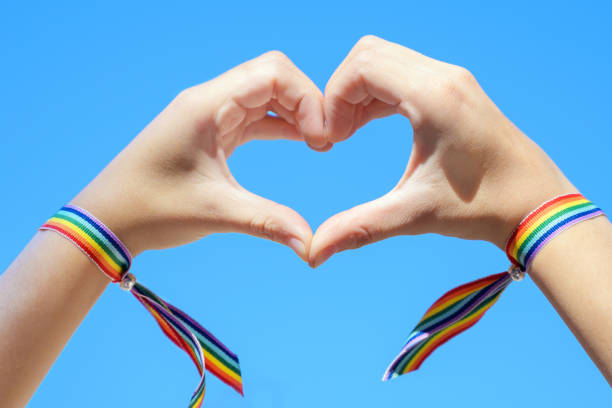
(299, 247)
(297, 236)
(317, 259)
(329, 239)
(356, 227)
(353, 228)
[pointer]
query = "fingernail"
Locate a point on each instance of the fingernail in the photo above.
(325, 255)
(298, 246)
(323, 148)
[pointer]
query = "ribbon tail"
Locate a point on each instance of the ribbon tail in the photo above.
(219, 360)
(205, 350)
(456, 311)
(178, 333)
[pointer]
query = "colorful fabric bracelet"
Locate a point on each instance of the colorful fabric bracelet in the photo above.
(462, 307)
(545, 223)
(114, 260)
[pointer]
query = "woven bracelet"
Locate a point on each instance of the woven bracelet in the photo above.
(114, 260)
(462, 307)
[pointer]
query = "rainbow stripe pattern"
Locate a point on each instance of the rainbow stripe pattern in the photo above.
(114, 260)
(93, 238)
(460, 308)
(179, 327)
(456, 311)
(545, 223)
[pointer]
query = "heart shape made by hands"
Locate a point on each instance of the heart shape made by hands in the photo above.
(462, 146)
(451, 159)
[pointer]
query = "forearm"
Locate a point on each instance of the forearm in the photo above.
(574, 271)
(44, 295)
(171, 186)
(467, 161)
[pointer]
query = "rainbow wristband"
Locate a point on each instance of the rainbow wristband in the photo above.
(462, 307)
(93, 238)
(544, 223)
(106, 250)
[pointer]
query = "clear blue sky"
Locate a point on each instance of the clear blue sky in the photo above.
(79, 81)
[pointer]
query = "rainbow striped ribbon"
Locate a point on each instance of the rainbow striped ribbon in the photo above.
(462, 307)
(545, 223)
(456, 311)
(114, 260)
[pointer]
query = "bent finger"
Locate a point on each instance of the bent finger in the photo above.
(271, 128)
(273, 77)
(378, 69)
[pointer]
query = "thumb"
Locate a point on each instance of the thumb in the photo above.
(258, 216)
(364, 224)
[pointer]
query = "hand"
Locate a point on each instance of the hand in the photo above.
(471, 173)
(171, 185)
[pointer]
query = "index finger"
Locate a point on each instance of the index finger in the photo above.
(272, 76)
(379, 69)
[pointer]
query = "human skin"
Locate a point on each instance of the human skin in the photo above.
(471, 174)
(169, 186)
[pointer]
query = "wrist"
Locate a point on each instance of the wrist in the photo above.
(514, 212)
(571, 248)
(544, 224)
(528, 178)
(119, 210)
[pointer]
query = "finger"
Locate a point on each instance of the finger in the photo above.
(364, 224)
(340, 108)
(281, 111)
(378, 69)
(354, 85)
(324, 148)
(271, 128)
(269, 77)
(376, 109)
(309, 117)
(264, 218)
(287, 115)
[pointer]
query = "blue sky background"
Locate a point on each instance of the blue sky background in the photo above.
(79, 81)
